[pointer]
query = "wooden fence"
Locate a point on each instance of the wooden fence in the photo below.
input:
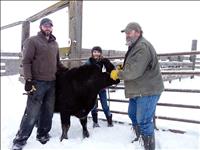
(165, 104)
(173, 65)
(11, 65)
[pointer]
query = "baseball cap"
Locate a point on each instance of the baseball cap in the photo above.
(46, 21)
(132, 26)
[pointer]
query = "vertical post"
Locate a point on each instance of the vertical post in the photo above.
(75, 30)
(25, 35)
(193, 57)
(25, 32)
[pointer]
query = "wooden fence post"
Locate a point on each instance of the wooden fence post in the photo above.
(24, 36)
(25, 32)
(193, 57)
(75, 31)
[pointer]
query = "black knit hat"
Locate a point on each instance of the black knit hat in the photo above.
(96, 48)
(46, 21)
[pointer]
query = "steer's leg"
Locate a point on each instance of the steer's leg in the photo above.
(65, 120)
(84, 125)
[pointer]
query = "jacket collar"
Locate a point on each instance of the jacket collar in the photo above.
(51, 37)
(130, 48)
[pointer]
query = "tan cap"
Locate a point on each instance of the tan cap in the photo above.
(132, 26)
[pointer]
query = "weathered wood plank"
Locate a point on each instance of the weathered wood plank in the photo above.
(25, 32)
(7, 54)
(181, 72)
(193, 57)
(12, 25)
(75, 30)
(179, 53)
(41, 14)
(48, 11)
(11, 66)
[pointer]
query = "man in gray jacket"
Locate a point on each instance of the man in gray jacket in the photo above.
(40, 63)
(143, 83)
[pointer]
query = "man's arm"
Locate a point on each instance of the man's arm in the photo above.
(27, 58)
(136, 65)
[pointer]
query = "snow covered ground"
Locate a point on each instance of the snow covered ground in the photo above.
(116, 138)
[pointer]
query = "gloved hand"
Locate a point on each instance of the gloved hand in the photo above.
(114, 74)
(119, 67)
(29, 86)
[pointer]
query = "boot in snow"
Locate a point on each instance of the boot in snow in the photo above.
(149, 142)
(109, 120)
(17, 146)
(137, 133)
(43, 139)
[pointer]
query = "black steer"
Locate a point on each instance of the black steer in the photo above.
(76, 93)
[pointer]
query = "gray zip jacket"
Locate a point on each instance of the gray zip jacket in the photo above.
(141, 71)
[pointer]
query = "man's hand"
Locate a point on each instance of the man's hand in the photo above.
(114, 74)
(119, 67)
(29, 86)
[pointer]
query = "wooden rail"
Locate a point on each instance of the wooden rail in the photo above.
(58, 6)
(181, 73)
(163, 104)
(160, 54)
(160, 104)
(43, 13)
(12, 25)
(161, 117)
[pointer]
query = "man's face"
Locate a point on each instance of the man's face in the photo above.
(96, 54)
(47, 29)
(131, 37)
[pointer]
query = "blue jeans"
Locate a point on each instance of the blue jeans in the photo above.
(39, 108)
(141, 111)
(104, 104)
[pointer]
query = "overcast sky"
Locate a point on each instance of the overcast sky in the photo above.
(170, 26)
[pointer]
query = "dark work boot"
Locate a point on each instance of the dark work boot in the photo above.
(43, 139)
(17, 146)
(137, 133)
(149, 142)
(109, 120)
(19, 142)
(95, 120)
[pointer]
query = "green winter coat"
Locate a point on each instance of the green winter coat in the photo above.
(141, 71)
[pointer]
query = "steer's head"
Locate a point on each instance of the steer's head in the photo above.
(100, 80)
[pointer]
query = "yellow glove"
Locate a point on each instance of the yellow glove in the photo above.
(114, 74)
(119, 67)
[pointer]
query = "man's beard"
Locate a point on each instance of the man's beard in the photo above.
(130, 41)
(46, 33)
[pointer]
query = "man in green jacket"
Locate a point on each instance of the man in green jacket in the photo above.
(143, 83)
(40, 63)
